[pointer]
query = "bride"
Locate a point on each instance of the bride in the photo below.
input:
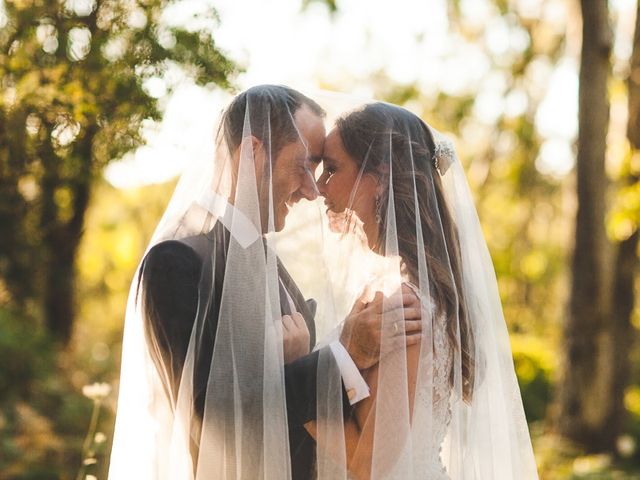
(450, 406)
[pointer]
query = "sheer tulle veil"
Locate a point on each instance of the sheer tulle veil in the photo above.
(205, 392)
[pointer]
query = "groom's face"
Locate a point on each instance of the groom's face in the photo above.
(294, 167)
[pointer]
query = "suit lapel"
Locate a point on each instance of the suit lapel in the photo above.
(220, 234)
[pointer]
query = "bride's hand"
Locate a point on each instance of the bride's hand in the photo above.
(295, 335)
(362, 331)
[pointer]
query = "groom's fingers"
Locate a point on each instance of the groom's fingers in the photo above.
(288, 323)
(298, 320)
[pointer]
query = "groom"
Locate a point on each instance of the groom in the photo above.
(172, 273)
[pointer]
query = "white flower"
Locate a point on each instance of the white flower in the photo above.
(99, 437)
(96, 391)
(591, 464)
(90, 477)
(626, 445)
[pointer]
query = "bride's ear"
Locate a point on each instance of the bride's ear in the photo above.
(381, 177)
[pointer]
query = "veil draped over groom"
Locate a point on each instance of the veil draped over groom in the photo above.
(208, 389)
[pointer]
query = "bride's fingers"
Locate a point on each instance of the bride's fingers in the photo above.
(362, 302)
(409, 313)
(406, 327)
(408, 300)
(401, 341)
(369, 295)
(413, 339)
(400, 315)
(382, 304)
(412, 326)
(358, 306)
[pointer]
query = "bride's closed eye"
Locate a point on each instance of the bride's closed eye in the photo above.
(328, 168)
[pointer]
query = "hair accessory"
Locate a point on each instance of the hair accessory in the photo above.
(444, 154)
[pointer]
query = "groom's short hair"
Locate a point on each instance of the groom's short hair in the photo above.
(271, 111)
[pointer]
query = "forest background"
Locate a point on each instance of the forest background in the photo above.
(103, 101)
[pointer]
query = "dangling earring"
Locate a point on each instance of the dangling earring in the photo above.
(378, 209)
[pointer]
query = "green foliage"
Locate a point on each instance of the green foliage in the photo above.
(535, 366)
(20, 368)
(76, 82)
(332, 5)
(42, 412)
(42, 407)
(624, 218)
(67, 108)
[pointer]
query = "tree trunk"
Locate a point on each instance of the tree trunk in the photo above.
(61, 239)
(626, 263)
(633, 126)
(625, 266)
(585, 400)
(62, 244)
(16, 263)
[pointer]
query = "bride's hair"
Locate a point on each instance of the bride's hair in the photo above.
(369, 134)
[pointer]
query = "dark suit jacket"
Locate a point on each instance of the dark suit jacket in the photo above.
(172, 274)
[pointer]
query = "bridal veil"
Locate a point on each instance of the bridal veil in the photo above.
(203, 387)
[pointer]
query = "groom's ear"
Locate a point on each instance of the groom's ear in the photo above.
(252, 148)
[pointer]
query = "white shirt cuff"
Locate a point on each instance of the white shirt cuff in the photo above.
(357, 389)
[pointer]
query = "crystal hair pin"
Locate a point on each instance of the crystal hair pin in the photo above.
(444, 155)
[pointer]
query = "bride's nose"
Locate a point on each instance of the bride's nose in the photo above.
(320, 185)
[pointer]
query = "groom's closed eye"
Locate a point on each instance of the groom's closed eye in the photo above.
(311, 165)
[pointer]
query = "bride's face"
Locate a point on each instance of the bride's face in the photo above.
(340, 177)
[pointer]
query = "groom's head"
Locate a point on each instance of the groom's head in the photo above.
(285, 132)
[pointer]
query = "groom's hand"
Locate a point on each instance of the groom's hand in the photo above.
(363, 327)
(295, 337)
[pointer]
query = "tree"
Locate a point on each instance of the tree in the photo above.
(73, 98)
(598, 332)
(626, 254)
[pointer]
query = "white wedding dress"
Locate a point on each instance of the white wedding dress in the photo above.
(439, 402)
(433, 409)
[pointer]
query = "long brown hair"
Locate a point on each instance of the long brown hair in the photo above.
(376, 133)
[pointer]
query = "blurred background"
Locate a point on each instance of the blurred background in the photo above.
(103, 102)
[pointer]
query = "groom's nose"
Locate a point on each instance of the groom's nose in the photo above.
(308, 189)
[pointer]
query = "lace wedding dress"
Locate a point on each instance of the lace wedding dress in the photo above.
(433, 426)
